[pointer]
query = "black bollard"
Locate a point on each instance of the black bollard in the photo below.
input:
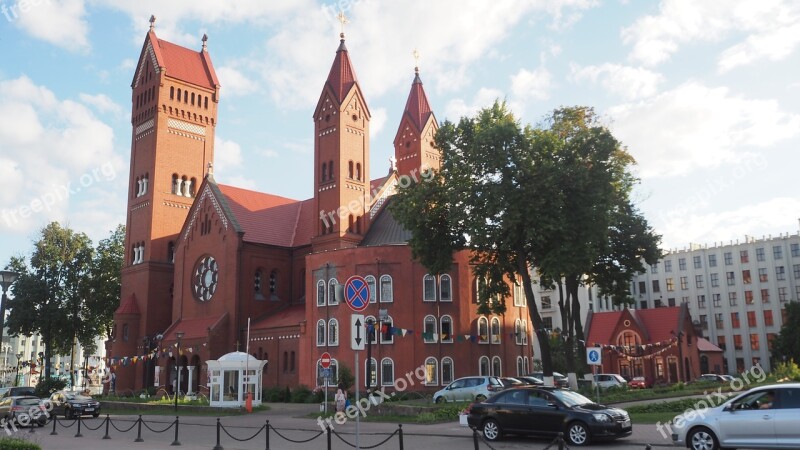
(475, 438)
(218, 446)
(176, 441)
(78, 434)
(647, 447)
(108, 421)
(328, 432)
(400, 434)
(560, 441)
(139, 435)
(53, 433)
(266, 430)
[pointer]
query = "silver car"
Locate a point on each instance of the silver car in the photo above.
(469, 389)
(766, 417)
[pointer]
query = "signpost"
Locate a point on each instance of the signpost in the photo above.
(594, 357)
(358, 331)
(325, 363)
(356, 295)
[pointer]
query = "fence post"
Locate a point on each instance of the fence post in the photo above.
(139, 435)
(267, 433)
(400, 434)
(475, 438)
(218, 446)
(176, 441)
(55, 420)
(108, 420)
(647, 447)
(78, 434)
(560, 441)
(328, 432)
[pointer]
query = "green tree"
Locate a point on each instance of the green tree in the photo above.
(105, 280)
(786, 346)
(49, 296)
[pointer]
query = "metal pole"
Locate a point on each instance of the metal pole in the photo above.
(108, 421)
(55, 420)
(400, 434)
(78, 434)
(176, 441)
(267, 433)
(358, 416)
(139, 433)
(218, 447)
(596, 384)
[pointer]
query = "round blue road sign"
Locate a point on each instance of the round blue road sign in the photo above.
(356, 293)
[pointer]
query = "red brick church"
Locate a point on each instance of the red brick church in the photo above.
(204, 259)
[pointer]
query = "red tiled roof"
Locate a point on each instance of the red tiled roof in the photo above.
(286, 317)
(188, 65)
(270, 219)
(417, 106)
(601, 327)
(342, 76)
(194, 328)
(129, 306)
(377, 183)
(660, 322)
(703, 345)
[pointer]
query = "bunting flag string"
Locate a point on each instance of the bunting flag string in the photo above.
(635, 352)
(155, 354)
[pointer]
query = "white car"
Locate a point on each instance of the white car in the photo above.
(766, 417)
(607, 380)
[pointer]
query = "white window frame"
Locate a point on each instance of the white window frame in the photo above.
(430, 319)
(435, 371)
(427, 280)
(384, 298)
(373, 295)
(441, 329)
(448, 360)
(321, 299)
(333, 326)
(332, 283)
(446, 279)
(485, 321)
(499, 366)
(391, 379)
(321, 343)
(480, 366)
(495, 338)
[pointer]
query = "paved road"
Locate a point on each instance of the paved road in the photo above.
(291, 422)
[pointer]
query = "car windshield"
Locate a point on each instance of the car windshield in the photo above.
(570, 398)
(28, 402)
(77, 397)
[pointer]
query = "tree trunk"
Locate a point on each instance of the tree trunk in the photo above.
(536, 319)
(566, 325)
(572, 290)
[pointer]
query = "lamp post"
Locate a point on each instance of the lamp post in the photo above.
(16, 376)
(146, 343)
(7, 278)
(179, 335)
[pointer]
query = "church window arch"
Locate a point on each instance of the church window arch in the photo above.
(172, 92)
(192, 98)
(273, 281)
(350, 169)
(332, 291)
(320, 293)
(324, 172)
(495, 329)
(205, 102)
(387, 292)
(358, 171)
(179, 94)
(321, 330)
(257, 286)
(330, 170)
(333, 332)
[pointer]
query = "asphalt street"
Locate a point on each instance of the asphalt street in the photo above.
(289, 422)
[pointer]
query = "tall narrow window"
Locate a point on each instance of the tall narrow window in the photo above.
(431, 372)
(447, 370)
(332, 292)
(320, 332)
(497, 367)
(387, 295)
(429, 332)
(429, 288)
(447, 329)
(495, 330)
(257, 279)
(333, 332)
(387, 372)
(358, 171)
(445, 288)
(371, 285)
(483, 366)
(483, 330)
(320, 293)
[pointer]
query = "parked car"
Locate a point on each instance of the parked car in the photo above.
(19, 391)
(764, 417)
(511, 382)
(558, 379)
(638, 383)
(468, 389)
(727, 378)
(73, 404)
(23, 410)
(609, 380)
(546, 411)
(711, 377)
(531, 380)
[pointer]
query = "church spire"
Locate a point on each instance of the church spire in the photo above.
(417, 107)
(342, 76)
(415, 150)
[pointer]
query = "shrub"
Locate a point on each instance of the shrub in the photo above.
(301, 395)
(274, 395)
(8, 443)
(47, 386)
(787, 371)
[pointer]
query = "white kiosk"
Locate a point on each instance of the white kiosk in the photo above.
(232, 376)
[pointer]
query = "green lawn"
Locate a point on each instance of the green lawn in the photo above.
(653, 417)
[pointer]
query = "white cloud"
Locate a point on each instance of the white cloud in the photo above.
(61, 23)
(227, 157)
(55, 153)
(235, 83)
(377, 121)
(458, 108)
(535, 84)
(778, 215)
(102, 103)
(628, 82)
(694, 126)
(764, 25)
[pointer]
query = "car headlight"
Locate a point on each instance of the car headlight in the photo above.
(602, 418)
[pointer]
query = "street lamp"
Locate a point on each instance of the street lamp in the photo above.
(7, 278)
(16, 377)
(179, 335)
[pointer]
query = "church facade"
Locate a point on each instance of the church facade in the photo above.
(212, 268)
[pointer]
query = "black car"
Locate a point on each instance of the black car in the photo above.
(74, 404)
(559, 380)
(546, 412)
(23, 411)
(18, 391)
(530, 380)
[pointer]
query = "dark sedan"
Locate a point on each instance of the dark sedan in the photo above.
(74, 404)
(23, 411)
(546, 412)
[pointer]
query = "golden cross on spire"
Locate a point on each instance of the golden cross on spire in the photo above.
(343, 21)
(415, 53)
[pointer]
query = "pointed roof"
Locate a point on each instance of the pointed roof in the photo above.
(657, 323)
(342, 77)
(417, 107)
(129, 306)
(179, 62)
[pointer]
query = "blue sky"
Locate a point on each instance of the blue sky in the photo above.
(704, 93)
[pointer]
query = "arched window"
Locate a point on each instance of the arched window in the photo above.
(387, 294)
(285, 362)
(429, 332)
(445, 288)
(320, 332)
(172, 92)
(387, 331)
(628, 339)
(497, 367)
(496, 330)
(179, 94)
(324, 172)
(273, 282)
(259, 295)
(192, 98)
(333, 332)
(205, 103)
(447, 370)
(371, 284)
(292, 361)
(483, 366)
(350, 169)
(358, 171)
(524, 332)
(526, 366)
(483, 330)
(330, 169)
(332, 292)
(431, 372)
(351, 224)
(370, 372)
(519, 294)
(447, 329)
(520, 366)
(320, 293)
(518, 332)
(428, 288)
(387, 372)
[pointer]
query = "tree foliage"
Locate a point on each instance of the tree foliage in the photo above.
(555, 198)
(786, 345)
(106, 282)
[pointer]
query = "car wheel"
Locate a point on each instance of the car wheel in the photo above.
(702, 439)
(440, 399)
(480, 398)
(577, 433)
(491, 430)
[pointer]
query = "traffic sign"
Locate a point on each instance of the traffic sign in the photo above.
(358, 331)
(594, 356)
(326, 373)
(356, 293)
(325, 360)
